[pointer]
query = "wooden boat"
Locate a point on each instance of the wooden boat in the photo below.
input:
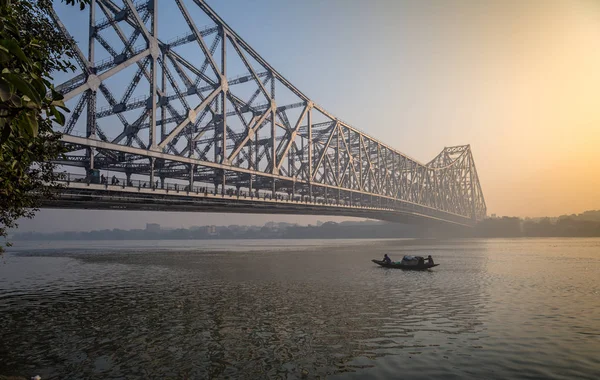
(402, 266)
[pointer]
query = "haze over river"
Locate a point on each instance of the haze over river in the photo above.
(493, 309)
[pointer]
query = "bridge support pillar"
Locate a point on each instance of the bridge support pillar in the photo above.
(222, 182)
(152, 161)
(310, 152)
(91, 152)
(191, 177)
(273, 188)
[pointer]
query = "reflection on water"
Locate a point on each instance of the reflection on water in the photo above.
(492, 309)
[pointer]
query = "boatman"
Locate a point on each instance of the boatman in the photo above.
(430, 260)
(386, 259)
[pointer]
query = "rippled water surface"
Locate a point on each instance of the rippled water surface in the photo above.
(493, 309)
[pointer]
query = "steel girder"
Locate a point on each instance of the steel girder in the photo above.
(180, 117)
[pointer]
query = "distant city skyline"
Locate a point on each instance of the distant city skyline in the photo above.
(87, 220)
(583, 225)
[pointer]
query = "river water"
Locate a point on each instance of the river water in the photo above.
(291, 309)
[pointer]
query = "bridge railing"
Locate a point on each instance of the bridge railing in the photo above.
(114, 184)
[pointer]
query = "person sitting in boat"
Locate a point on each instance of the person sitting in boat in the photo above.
(386, 259)
(430, 259)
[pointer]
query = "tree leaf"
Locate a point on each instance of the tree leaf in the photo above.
(31, 123)
(60, 118)
(22, 86)
(13, 47)
(4, 56)
(16, 101)
(39, 87)
(4, 90)
(5, 133)
(31, 106)
(60, 104)
(56, 95)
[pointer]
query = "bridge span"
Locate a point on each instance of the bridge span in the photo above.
(178, 117)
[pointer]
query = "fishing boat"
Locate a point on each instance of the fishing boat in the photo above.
(407, 263)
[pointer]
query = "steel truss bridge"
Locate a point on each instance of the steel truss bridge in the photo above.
(194, 119)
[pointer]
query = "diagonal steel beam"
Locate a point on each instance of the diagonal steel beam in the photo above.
(191, 117)
(248, 66)
(84, 64)
(324, 152)
(293, 135)
(140, 24)
(76, 113)
(249, 134)
(94, 81)
(128, 43)
(199, 37)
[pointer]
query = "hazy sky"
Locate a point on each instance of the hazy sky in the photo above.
(518, 80)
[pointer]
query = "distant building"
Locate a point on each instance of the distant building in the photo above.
(284, 225)
(152, 227)
(209, 230)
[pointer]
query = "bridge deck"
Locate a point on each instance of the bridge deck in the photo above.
(78, 195)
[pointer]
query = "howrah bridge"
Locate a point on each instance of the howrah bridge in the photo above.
(194, 119)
